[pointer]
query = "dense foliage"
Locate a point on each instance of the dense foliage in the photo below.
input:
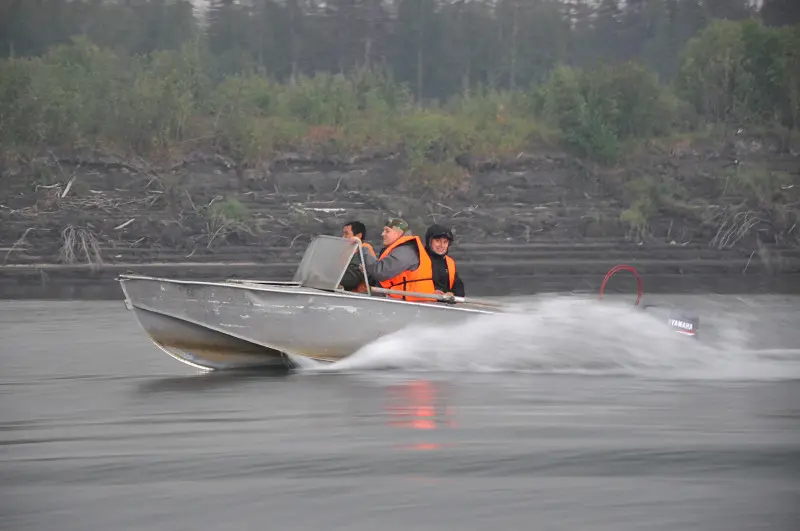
(437, 80)
(260, 77)
(438, 47)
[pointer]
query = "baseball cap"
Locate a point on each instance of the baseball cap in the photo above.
(397, 223)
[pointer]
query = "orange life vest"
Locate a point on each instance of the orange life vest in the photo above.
(451, 270)
(420, 280)
(362, 287)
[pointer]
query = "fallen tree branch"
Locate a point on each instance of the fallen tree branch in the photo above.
(20, 242)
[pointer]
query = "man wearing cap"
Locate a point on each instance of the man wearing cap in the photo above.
(445, 276)
(403, 263)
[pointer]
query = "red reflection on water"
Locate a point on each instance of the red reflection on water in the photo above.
(422, 446)
(418, 405)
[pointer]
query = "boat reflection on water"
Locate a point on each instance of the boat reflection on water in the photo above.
(420, 405)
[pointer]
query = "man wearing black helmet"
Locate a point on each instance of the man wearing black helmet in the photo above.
(445, 277)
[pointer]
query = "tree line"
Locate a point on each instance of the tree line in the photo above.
(437, 78)
(437, 47)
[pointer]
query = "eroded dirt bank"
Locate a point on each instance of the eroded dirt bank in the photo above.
(541, 222)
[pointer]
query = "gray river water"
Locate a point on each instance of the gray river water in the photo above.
(579, 415)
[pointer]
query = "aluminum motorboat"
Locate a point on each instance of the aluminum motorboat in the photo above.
(239, 324)
(244, 324)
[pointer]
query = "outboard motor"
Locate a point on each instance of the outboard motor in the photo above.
(679, 321)
(684, 324)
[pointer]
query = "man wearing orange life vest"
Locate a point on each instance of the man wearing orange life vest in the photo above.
(353, 278)
(403, 263)
(445, 276)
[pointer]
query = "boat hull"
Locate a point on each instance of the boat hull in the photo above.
(222, 325)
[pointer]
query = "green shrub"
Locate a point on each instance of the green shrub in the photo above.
(743, 71)
(228, 210)
(433, 137)
(80, 94)
(647, 196)
(598, 108)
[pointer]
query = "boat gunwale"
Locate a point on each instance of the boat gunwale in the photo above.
(298, 289)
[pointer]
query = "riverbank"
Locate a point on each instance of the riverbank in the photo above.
(111, 161)
(546, 221)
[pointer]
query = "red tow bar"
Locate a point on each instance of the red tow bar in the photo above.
(623, 267)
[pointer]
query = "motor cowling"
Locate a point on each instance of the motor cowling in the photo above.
(680, 321)
(684, 324)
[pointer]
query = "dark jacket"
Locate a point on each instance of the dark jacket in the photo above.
(441, 276)
(353, 276)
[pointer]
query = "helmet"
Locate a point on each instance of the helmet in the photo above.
(438, 231)
(446, 233)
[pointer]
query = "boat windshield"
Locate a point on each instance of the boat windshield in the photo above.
(324, 262)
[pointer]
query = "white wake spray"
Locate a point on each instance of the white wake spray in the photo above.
(567, 335)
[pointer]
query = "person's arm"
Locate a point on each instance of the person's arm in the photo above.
(401, 259)
(458, 286)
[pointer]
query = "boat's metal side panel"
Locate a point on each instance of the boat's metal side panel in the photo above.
(203, 348)
(284, 319)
